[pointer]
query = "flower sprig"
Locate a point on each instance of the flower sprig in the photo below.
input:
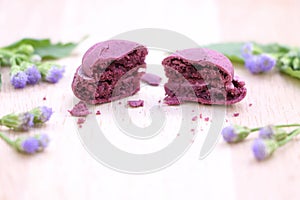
(269, 138)
(28, 144)
(26, 120)
(256, 61)
(29, 70)
(259, 58)
(26, 59)
(23, 122)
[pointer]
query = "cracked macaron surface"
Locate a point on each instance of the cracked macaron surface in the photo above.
(201, 75)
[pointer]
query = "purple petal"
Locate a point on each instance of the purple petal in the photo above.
(26, 121)
(229, 134)
(247, 50)
(252, 64)
(44, 140)
(266, 132)
(30, 145)
(33, 75)
(46, 113)
(54, 74)
(259, 149)
(19, 80)
(266, 62)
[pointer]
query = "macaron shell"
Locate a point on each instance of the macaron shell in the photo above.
(104, 53)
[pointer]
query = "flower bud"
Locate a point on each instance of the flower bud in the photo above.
(25, 49)
(263, 148)
(41, 114)
(51, 72)
(271, 132)
(235, 133)
(28, 145)
(18, 122)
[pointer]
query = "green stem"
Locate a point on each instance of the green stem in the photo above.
(286, 125)
(6, 139)
(6, 53)
(290, 136)
(277, 126)
(255, 129)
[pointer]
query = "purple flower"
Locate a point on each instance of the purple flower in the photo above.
(19, 80)
(26, 121)
(232, 134)
(18, 122)
(46, 113)
(43, 141)
(247, 50)
(41, 114)
(29, 145)
(266, 62)
(259, 63)
(33, 75)
(271, 132)
(54, 74)
(33, 144)
(229, 134)
(252, 63)
(51, 72)
(263, 148)
(266, 132)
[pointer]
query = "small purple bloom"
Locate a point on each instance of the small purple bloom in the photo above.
(266, 62)
(54, 74)
(253, 64)
(33, 75)
(18, 122)
(41, 114)
(43, 141)
(266, 132)
(271, 132)
(263, 148)
(46, 113)
(229, 134)
(247, 50)
(29, 145)
(235, 133)
(19, 80)
(26, 121)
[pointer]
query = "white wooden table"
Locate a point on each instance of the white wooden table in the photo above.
(66, 171)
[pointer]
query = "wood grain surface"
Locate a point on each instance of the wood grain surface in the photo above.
(67, 171)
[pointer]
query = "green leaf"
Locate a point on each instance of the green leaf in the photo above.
(291, 72)
(55, 51)
(273, 48)
(45, 48)
(231, 49)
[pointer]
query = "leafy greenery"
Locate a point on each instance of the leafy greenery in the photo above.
(288, 58)
(232, 50)
(44, 47)
(33, 51)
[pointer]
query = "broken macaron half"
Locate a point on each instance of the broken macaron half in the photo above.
(201, 75)
(109, 71)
